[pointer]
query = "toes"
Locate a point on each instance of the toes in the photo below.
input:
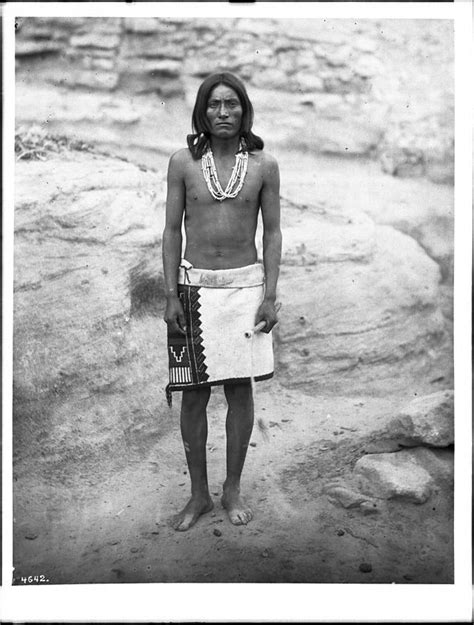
(186, 523)
(241, 517)
(182, 527)
(246, 516)
(179, 523)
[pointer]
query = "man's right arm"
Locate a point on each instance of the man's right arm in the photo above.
(173, 240)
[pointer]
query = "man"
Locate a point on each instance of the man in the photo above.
(218, 295)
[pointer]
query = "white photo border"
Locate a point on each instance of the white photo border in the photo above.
(261, 602)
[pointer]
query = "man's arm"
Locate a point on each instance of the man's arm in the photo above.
(270, 205)
(172, 242)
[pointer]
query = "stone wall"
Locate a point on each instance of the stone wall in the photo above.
(376, 88)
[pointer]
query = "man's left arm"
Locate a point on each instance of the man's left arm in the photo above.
(270, 206)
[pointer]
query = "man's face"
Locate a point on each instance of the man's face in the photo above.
(224, 112)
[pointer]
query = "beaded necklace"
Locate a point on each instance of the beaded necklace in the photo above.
(237, 178)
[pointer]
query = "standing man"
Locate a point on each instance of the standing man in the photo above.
(218, 294)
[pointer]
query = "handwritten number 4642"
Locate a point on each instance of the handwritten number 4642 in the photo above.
(34, 579)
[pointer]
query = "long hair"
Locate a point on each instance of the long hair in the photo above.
(198, 141)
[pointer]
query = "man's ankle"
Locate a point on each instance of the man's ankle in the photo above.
(231, 485)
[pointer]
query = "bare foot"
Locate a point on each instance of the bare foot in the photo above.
(238, 512)
(188, 516)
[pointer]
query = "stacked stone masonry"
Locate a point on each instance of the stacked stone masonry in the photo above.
(378, 88)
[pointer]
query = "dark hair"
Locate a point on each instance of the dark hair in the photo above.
(198, 141)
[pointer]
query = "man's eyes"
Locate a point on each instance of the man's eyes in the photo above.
(215, 104)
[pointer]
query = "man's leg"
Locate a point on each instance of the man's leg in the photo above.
(239, 424)
(194, 433)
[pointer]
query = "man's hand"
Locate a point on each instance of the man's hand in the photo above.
(267, 312)
(174, 316)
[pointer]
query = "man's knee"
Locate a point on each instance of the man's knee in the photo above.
(238, 392)
(195, 399)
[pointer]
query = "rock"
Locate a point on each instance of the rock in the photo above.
(334, 57)
(309, 82)
(428, 419)
(439, 463)
(98, 79)
(365, 567)
(384, 441)
(333, 137)
(394, 475)
(381, 322)
(102, 63)
(152, 81)
(273, 78)
(143, 25)
(217, 532)
(330, 104)
(258, 27)
(402, 162)
(30, 48)
(82, 313)
(137, 48)
(163, 67)
(430, 222)
(345, 496)
(95, 40)
(368, 66)
(366, 44)
(312, 238)
(368, 508)
(440, 171)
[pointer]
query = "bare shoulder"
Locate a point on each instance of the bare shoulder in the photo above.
(177, 166)
(269, 168)
(180, 158)
(267, 162)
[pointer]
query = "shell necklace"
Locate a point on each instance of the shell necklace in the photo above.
(237, 178)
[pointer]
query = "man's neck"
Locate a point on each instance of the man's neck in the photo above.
(224, 147)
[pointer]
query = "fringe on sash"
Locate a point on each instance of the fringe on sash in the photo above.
(169, 395)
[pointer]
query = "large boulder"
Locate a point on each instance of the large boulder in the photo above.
(79, 232)
(426, 420)
(360, 302)
(83, 224)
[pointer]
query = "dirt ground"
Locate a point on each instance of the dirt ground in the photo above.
(108, 522)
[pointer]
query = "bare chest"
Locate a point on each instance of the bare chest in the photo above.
(197, 189)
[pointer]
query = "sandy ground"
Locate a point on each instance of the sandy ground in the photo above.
(108, 523)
